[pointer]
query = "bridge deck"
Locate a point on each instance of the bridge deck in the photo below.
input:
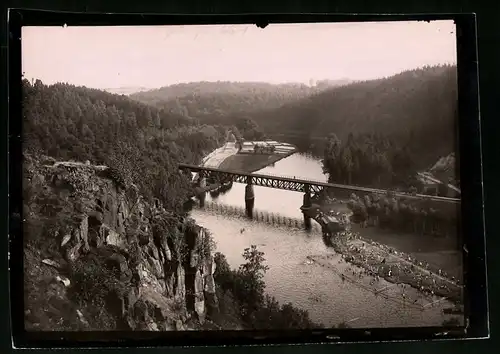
(298, 184)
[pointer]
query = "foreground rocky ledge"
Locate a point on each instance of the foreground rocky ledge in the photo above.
(80, 223)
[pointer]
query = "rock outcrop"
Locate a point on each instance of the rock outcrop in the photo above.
(163, 266)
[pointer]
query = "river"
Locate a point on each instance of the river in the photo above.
(291, 277)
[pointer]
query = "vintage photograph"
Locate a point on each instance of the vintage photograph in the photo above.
(230, 177)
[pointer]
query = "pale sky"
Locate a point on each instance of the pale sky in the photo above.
(155, 56)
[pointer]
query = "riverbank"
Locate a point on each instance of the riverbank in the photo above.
(251, 162)
(438, 254)
(381, 261)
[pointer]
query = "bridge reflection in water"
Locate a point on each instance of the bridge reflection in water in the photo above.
(275, 219)
(210, 179)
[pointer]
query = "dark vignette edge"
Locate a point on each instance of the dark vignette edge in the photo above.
(469, 143)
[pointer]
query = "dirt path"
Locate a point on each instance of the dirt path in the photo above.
(218, 156)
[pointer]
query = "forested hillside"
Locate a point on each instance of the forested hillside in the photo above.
(422, 102)
(412, 100)
(143, 143)
(222, 99)
(416, 127)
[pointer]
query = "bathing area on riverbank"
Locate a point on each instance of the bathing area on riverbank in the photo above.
(383, 261)
(439, 254)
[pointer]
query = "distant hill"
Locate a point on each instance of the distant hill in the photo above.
(403, 102)
(326, 84)
(201, 99)
(420, 103)
(126, 90)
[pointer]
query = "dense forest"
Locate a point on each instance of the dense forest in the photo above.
(368, 160)
(402, 216)
(374, 105)
(415, 132)
(219, 100)
(419, 104)
(143, 143)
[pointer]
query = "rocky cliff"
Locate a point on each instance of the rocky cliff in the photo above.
(98, 256)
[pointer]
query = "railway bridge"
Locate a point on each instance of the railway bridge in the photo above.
(212, 178)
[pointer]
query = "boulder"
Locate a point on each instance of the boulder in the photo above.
(153, 251)
(75, 240)
(111, 237)
(139, 315)
(84, 232)
(180, 289)
(66, 238)
(152, 326)
(199, 298)
(169, 284)
(143, 238)
(63, 280)
(119, 261)
(82, 319)
(208, 271)
(166, 250)
(72, 246)
(209, 282)
(95, 238)
(129, 300)
(52, 263)
(155, 266)
(194, 259)
(179, 326)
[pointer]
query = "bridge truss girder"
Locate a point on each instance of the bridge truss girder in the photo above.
(286, 183)
(271, 181)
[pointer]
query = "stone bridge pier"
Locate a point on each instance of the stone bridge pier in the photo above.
(249, 197)
(201, 182)
(306, 206)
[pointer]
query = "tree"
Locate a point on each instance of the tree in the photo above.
(254, 262)
(348, 162)
(251, 285)
(331, 155)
